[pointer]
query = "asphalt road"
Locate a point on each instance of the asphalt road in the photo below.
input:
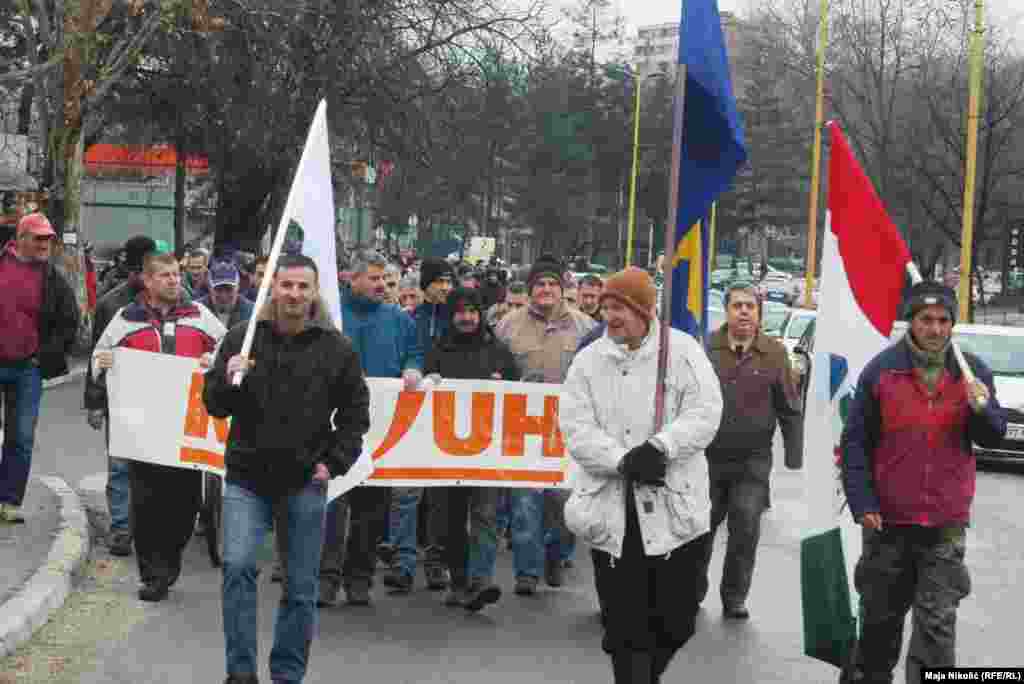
(105, 635)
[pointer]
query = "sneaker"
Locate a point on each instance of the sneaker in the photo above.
(11, 514)
(526, 586)
(483, 596)
(358, 594)
(154, 592)
(402, 584)
(327, 597)
(437, 576)
(120, 544)
(553, 573)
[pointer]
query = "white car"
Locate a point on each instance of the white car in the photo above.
(794, 326)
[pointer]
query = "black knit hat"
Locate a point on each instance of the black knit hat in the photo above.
(135, 251)
(931, 293)
(434, 269)
(546, 266)
(467, 296)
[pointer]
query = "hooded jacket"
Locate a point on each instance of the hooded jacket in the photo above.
(605, 410)
(478, 356)
(281, 414)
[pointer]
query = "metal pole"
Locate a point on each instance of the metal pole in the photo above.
(711, 236)
(976, 65)
(670, 235)
(631, 221)
(819, 117)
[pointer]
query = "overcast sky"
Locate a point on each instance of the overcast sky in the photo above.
(640, 12)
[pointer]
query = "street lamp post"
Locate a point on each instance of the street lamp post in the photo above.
(631, 220)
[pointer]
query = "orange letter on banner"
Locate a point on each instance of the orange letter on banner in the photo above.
(481, 424)
(518, 425)
(197, 420)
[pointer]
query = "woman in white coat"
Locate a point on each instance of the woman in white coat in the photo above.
(640, 492)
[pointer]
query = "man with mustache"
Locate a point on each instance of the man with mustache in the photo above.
(759, 393)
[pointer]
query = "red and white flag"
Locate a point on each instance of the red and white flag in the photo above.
(863, 272)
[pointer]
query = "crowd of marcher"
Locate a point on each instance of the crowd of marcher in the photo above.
(647, 499)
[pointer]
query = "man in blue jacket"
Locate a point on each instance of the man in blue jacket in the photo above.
(384, 336)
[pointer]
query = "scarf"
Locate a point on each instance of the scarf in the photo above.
(929, 365)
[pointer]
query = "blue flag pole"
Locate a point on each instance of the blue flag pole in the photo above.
(679, 104)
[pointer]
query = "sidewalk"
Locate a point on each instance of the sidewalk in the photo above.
(39, 559)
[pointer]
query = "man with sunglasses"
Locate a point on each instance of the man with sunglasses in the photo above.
(39, 319)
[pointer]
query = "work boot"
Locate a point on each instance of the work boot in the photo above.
(481, 595)
(553, 573)
(526, 585)
(402, 584)
(437, 576)
(328, 594)
(358, 593)
(154, 591)
(120, 544)
(393, 577)
(735, 611)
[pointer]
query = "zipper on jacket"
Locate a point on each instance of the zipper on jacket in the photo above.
(668, 555)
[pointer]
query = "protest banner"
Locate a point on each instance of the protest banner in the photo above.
(459, 432)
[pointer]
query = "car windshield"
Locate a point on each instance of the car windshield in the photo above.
(773, 319)
(798, 326)
(1004, 354)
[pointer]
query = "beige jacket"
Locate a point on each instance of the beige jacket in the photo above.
(544, 348)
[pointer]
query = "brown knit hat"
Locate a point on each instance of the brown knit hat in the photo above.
(635, 288)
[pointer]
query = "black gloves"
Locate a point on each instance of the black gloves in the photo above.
(644, 464)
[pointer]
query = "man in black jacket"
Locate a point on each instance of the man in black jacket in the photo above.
(470, 351)
(118, 469)
(38, 326)
(282, 449)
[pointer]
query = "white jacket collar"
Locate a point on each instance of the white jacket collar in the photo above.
(621, 352)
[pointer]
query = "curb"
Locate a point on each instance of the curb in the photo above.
(92, 490)
(74, 374)
(48, 588)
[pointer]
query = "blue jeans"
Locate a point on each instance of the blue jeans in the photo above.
(403, 525)
(119, 490)
(483, 533)
(22, 386)
(248, 518)
(538, 529)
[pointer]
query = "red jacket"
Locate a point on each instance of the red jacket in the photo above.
(907, 454)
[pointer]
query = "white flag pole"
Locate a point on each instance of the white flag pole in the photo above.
(965, 368)
(275, 251)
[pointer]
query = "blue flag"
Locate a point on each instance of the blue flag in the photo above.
(713, 151)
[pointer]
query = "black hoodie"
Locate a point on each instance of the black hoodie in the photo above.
(475, 356)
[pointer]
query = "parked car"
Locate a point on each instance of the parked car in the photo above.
(773, 317)
(794, 326)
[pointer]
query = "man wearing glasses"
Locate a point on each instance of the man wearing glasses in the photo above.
(39, 319)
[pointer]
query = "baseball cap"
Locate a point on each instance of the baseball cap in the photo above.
(36, 224)
(224, 273)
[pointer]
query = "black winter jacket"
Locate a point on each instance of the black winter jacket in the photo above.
(478, 357)
(281, 414)
(59, 317)
(106, 308)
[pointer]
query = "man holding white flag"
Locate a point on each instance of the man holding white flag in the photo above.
(282, 449)
(909, 475)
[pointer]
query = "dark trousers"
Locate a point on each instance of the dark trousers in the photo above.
(650, 602)
(165, 501)
(742, 500)
(903, 568)
(350, 550)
